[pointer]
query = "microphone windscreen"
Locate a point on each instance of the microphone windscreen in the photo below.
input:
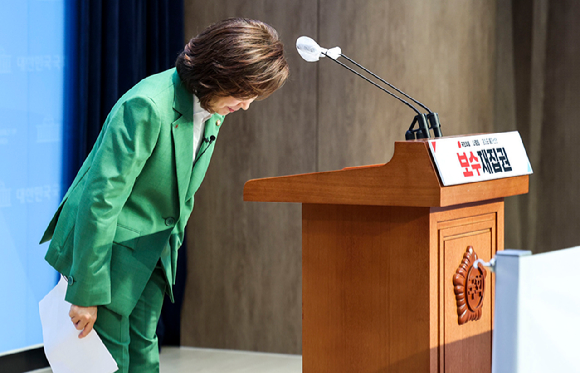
(308, 49)
(334, 53)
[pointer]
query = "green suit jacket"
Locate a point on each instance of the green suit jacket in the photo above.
(128, 206)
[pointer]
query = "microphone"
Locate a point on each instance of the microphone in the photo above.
(310, 51)
(208, 141)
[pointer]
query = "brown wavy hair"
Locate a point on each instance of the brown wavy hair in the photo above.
(236, 57)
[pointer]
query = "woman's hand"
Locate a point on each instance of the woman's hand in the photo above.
(83, 318)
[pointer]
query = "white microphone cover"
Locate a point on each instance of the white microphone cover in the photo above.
(308, 49)
(334, 53)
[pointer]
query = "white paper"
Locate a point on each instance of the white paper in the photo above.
(65, 351)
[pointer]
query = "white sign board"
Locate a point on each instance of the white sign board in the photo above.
(536, 312)
(471, 159)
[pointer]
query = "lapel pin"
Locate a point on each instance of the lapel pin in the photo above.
(218, 122)
(177, 125)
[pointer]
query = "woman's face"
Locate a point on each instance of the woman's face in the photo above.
(229, 104)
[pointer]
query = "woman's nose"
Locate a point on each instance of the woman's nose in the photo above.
(245, 105)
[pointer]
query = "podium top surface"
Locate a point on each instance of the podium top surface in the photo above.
(408, 179)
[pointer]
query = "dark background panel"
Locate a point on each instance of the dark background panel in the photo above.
(244, 273)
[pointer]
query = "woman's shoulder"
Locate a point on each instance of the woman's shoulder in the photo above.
(154, 87)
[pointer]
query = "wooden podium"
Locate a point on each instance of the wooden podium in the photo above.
(381, 246)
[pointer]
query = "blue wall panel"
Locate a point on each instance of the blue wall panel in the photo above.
(32, 66)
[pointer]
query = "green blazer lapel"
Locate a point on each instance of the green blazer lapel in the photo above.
(182, 131)
(212, 127)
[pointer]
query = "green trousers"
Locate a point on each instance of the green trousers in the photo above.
(132, 340)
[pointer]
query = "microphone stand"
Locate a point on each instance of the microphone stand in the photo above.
(424, 122)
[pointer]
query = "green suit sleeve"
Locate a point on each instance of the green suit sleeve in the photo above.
(130, 134)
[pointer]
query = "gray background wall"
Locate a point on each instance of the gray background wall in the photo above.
(484, 66)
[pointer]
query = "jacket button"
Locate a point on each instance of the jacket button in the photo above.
(70, 280)
(169, 222)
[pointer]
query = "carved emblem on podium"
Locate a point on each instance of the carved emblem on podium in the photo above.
(469, 288)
